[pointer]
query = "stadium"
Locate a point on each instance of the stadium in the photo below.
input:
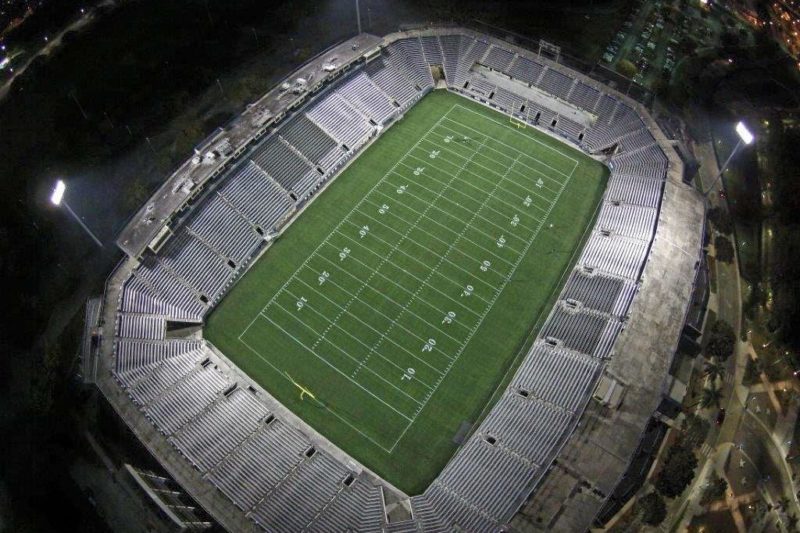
(430, 282)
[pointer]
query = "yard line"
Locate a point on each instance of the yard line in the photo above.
(375, 271)
(334, 367)
(394, 302)
(537, 171)
(512, 181)
(471, 274)
(433, 237)
(465, 208)
(490, 237)
(346, 216)
(452, 281)
(575, 163)
(359, 341)
(327, 408)
(345, 352)
(451, 230)
(423, 361)
(506, 126)
(473, 173)
(461, 192)
(541, 173)
(430, 177)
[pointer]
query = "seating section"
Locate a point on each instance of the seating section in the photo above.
(265, 466)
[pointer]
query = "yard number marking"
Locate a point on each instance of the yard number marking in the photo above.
(409, 373)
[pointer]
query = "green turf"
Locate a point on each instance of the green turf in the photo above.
(345, 302)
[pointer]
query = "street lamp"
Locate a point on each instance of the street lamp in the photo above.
(57, 199)
(745, 137)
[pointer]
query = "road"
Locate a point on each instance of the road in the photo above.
(749, 449)
(54, 42)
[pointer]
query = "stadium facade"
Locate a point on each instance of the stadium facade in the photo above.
(561, 436)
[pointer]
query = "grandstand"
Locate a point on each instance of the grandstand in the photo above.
(253, 464)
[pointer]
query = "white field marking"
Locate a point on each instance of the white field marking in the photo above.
(334, 367)
(439, 311)
(511, 181)
(427, 279)
(420, 339)
(457, 284)
(501, 165)
(469, 184)
(460, 191)
(466, 255)
(492, 239)
(375, 271)
(346, 216)
(339, 348)
(494, 299)
(359, 341)
(500, 153)
(529, 167)
(481, 178)
(467, 272)
(465, 208)
(515, 130)
(506, 126)
(283, 375)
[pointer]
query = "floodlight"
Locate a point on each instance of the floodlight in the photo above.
(58, 192)
(744, 134)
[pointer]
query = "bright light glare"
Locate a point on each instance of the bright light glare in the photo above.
(4, 63)
(744, 133)
(58, 193)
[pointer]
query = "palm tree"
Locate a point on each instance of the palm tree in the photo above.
(710, 396)
(714, 370)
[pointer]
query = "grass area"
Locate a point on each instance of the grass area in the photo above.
(400, 298)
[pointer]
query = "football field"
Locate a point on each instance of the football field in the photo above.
(390, 311)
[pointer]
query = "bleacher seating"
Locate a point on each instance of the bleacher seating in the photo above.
(261, 463)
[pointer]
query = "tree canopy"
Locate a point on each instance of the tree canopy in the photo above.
(677, 472)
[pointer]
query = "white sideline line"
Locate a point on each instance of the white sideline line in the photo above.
(284, 376)
(263, 317)
(506, 126)
(448, 148)
(530, 168)
(508, 177)
(339, 348)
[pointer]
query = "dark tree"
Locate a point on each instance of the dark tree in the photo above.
(652, 509)
(724, 249)
(714, 490)
(721, 340)
(721, 220)
(678, 471)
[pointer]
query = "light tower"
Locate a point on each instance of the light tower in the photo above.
(57, 199)
(745, 137)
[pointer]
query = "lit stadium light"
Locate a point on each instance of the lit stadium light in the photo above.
(744, 134)
(745, 137)
(57, 199)
(58, 193)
